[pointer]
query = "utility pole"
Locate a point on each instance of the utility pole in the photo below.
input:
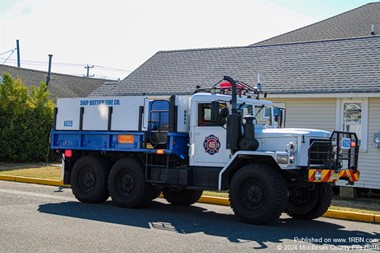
(18, 53)
(88, 67)
(49, 71)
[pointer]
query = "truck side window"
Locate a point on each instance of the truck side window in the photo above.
(158, 115)
(205, 114)
(263, 115)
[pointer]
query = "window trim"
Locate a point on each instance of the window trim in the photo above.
(364, 123)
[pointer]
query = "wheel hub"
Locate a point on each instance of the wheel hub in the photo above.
(87, 179)
(302, 196)
(126, 184)
(253, 195)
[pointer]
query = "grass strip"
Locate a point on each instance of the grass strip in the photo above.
(45, 172)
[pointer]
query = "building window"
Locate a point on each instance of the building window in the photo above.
(353, 117)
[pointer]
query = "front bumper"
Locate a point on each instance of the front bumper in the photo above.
(330, 176)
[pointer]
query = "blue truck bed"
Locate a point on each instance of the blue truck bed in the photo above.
(113, 141)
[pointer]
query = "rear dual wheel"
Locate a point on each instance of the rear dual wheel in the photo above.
(127, 186)
(92, 182)
(89, 179)
(181, 197)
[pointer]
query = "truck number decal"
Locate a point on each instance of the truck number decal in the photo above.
(346, 143)
(68, 123)
(211, 144)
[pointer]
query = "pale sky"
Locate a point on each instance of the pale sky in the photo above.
(117, 36)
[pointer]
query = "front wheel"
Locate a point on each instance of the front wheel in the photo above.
(258, 194)
(309, 202)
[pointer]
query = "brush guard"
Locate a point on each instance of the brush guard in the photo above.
(334, 159)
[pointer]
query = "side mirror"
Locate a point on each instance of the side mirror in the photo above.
(224, 112)
(279, 117)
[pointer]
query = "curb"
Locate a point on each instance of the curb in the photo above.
(214, 200)
(336, 214)
(353, 216)
(32, 180)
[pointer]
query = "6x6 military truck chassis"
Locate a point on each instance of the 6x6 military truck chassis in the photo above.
(224, 138)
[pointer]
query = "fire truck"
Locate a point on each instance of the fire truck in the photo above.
(223, 138)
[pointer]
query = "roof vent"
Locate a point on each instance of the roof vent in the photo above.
(373, 30)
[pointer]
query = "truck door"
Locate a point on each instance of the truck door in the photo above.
(209, 136)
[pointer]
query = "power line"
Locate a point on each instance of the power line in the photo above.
(38, 64)
(7, 51)
(9, 56)
(116, 69)
(61, 64)
(43, 63)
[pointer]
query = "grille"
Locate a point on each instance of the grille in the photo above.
(319, 151)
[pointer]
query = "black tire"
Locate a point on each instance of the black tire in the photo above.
(126, 184)
(182, 197)
(89, 178)
(309, 202)
(258, 194)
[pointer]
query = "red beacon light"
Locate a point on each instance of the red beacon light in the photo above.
(228, 85)
(225, 87)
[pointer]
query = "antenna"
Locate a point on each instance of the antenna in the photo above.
(258, 85)
(373, 30)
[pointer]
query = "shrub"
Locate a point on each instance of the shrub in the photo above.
(26, 118)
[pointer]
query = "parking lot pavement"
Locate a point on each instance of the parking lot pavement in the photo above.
(36, 218)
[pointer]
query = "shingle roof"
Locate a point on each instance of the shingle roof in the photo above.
(337, 66)
(60, 85)
(351, 24)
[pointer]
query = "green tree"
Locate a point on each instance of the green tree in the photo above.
(25, 121)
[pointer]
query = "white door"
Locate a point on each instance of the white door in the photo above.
(210, 146)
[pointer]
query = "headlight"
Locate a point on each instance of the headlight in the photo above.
(282, 157)
(291, 150)
(290, 147)
(292, 158)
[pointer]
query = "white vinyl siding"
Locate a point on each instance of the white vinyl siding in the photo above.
(310, 113)
(369, 162)
(321, 114)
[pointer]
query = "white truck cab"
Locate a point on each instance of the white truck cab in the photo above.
(208, 145)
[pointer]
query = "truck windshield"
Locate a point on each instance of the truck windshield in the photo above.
(262, 113)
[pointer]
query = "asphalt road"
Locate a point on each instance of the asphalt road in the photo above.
(35, 218)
